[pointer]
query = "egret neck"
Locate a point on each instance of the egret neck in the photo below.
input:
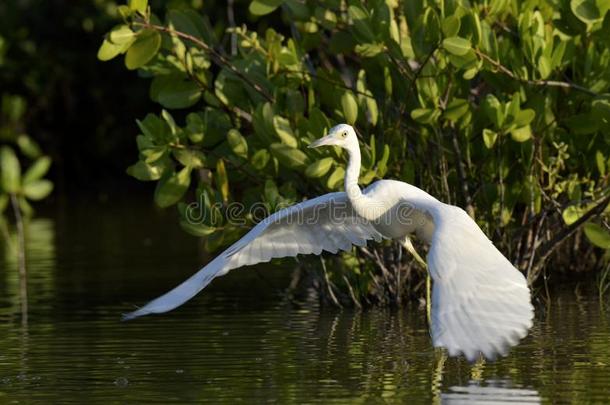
(364, 205)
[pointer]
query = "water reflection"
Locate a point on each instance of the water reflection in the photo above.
(40, 249)
(241, 342)
(494, 392)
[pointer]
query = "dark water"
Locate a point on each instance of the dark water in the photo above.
(241, 341)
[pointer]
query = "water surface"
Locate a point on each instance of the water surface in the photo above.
(241, 340)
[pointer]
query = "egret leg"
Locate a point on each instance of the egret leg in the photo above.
(428, 299)
(408, 245)
(476, 372)
(437, 374)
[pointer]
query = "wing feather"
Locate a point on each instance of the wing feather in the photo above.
(480, 302)
(301, 229)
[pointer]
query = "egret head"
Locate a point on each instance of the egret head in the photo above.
(342, 135)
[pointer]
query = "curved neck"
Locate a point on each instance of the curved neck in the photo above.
(352, 173)
(364, 205)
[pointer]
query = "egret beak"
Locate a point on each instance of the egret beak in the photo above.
(326, 140)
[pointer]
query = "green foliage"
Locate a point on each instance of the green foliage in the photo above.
(262, 7)
(502, 107)
(10, 171)
(597, 235)
(14, 181)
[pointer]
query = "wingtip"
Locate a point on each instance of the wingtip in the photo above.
(127, 317)
(131, 315)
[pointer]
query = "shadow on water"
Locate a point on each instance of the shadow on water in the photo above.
(240, 341)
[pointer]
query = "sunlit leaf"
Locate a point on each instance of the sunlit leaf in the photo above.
(172, 187)
(138, 5)
(455, 109)
(369, 50)
(585, 10)
(37, 170)
(122, 35)
(319, 168)
(451, 26)
(238, 143)
(524, 117)
(271, 192)
(349, 107)
(597, 235)
(493, 109)
(466, 61)
(287, 58)
(190, 157)
(117, 42)
(457, 45)
(108, 50)
(262, 7)
(336, 178)
(373, 110)
(367, 177)
(28, 146)
(199, 230)
(37, 189)
(544, 67)
(25, 206)
(143, 49)
(521, 134)
(10, 170)
(260, 159)
(145, 172)
(222, 179)
(124, 11)
(284, 131)
(489, 137)
(600, 161)
(572, 213)
(289, 157)
(425, 115)
(382, 164)
(513, 107)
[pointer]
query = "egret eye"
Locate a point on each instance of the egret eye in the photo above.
(344, 134)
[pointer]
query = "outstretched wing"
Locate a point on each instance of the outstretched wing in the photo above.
(326, 223)
(480, 302)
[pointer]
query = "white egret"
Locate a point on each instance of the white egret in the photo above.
(480, 302)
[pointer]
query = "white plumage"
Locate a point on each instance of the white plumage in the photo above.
(480, 302)
(304, 228)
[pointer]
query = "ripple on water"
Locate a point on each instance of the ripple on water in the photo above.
(240, 342)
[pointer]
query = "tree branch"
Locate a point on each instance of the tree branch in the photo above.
(551, 245)
(461, 171)
(421, 67)
(545, 83)
(221, 60)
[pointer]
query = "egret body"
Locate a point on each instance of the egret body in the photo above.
(480, 301)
